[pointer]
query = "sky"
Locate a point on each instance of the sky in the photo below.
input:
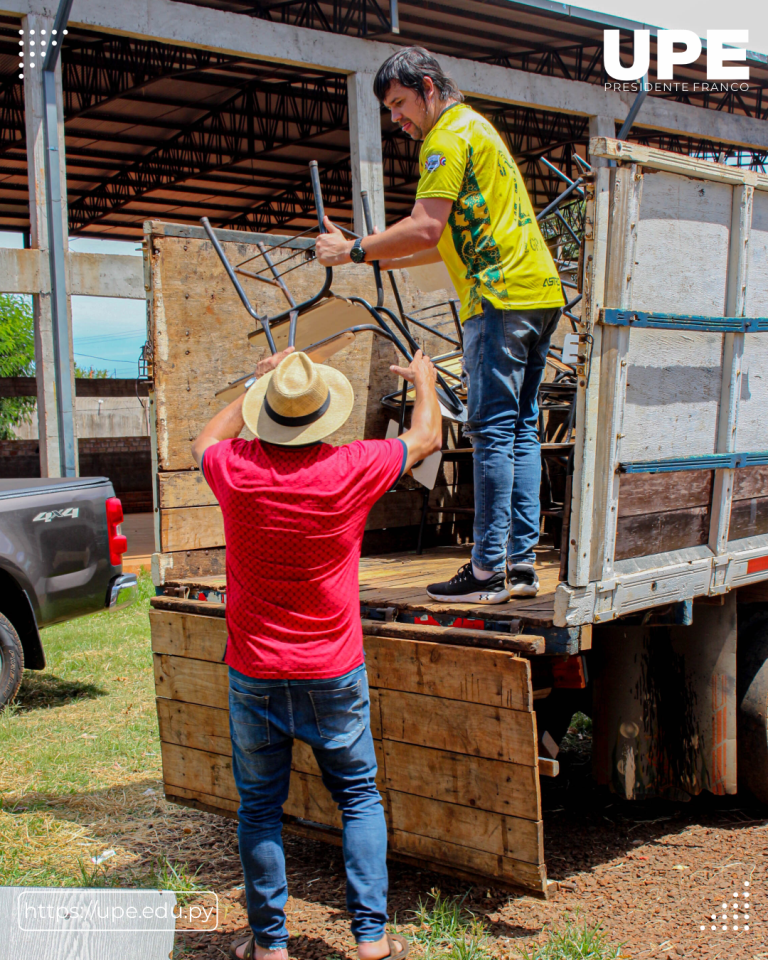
(108, 333)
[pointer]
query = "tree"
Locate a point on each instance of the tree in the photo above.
(17, 359)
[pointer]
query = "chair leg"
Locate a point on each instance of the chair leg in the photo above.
(422, 525)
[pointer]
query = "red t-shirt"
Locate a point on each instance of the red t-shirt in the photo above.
(293, 521)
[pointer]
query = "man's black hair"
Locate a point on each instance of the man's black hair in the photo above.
(410, 66)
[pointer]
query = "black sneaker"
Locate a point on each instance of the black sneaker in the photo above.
(522, 580)
(465, 588)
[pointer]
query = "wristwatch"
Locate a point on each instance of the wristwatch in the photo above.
(357, 254)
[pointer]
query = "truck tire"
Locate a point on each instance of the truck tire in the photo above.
(11, 661)
(752, 699)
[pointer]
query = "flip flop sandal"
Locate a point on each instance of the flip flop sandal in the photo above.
(399, 948)
(250, 948)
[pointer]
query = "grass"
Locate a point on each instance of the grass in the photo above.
(80, 762)
(573, 941)
(446, 930)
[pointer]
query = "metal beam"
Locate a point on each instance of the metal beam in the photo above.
(57, 252)
(238, 129)
(228, 33)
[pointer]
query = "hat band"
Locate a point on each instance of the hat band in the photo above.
(297, 421)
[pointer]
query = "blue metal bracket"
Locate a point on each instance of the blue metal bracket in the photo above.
(615, 317)
(713, 461)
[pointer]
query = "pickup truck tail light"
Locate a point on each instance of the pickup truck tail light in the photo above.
(118, 544)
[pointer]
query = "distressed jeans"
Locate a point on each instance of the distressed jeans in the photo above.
(333, 717)
(505, 352)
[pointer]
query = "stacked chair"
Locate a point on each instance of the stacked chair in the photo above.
(324, 323)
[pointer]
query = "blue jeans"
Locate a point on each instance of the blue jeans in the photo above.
(333, 717)
(505, 352)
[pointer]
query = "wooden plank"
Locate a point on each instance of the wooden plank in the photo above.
(202, 801)
(188, 635)
(194, 725)
(752, 431)
(183, 488)
(195, 607)
(191, 528)
(643, 536)
(188, 564)
(655, 159)
(584, 483)
(626, 195)
(198, 770)
(201, 526)
(748, 518)
(757, 278)
(193, 681)
(210, 775)
(644, 493)
(682, 245)
(456, 673)
(428, 849)
(733, 351)
(673, 394)
(458, 636)
(476, 729)
(508, 788)
(750, 482)
(206, 728)
(467, 826)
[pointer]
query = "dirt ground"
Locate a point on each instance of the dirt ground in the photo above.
(652, 873)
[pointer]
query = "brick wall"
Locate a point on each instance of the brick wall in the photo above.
(127, 461)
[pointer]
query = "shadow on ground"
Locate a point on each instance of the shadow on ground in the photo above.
(41, 691)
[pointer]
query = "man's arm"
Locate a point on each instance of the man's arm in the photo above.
(420, 259)
(228, 423)
(415, 233)
(425, 435)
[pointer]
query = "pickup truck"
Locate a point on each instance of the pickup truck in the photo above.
(60, 557)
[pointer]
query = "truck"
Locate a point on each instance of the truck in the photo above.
(60, 558)
(652, 617)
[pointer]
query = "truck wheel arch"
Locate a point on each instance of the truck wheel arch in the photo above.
(17, 607)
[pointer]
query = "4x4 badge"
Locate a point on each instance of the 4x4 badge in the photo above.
(47, 515)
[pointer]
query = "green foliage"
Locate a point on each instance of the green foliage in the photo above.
(17, 359)
(446, 929)
(573, 941)
(91, 373)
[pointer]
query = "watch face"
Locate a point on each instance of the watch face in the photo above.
(357, 254)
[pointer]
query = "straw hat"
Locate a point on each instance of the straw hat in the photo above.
(298, 402)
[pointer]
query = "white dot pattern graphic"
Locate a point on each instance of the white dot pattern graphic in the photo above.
(736, 917)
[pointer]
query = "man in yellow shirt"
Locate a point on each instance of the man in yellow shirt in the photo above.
(473, 212)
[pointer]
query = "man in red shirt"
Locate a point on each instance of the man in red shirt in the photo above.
(294, 512)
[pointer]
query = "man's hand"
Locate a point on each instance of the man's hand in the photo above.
(420, 371)
(331, 249)
(228, 423)
(268, 364)
(426, 432)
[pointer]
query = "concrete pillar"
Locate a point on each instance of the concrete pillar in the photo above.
(365, 148)
(601, 127)
(34, 111)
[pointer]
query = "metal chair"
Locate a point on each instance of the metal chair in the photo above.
(326, 317)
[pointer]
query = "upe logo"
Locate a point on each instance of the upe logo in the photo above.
(667, 56)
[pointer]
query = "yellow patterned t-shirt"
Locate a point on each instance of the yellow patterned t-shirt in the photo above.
(491, 245)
